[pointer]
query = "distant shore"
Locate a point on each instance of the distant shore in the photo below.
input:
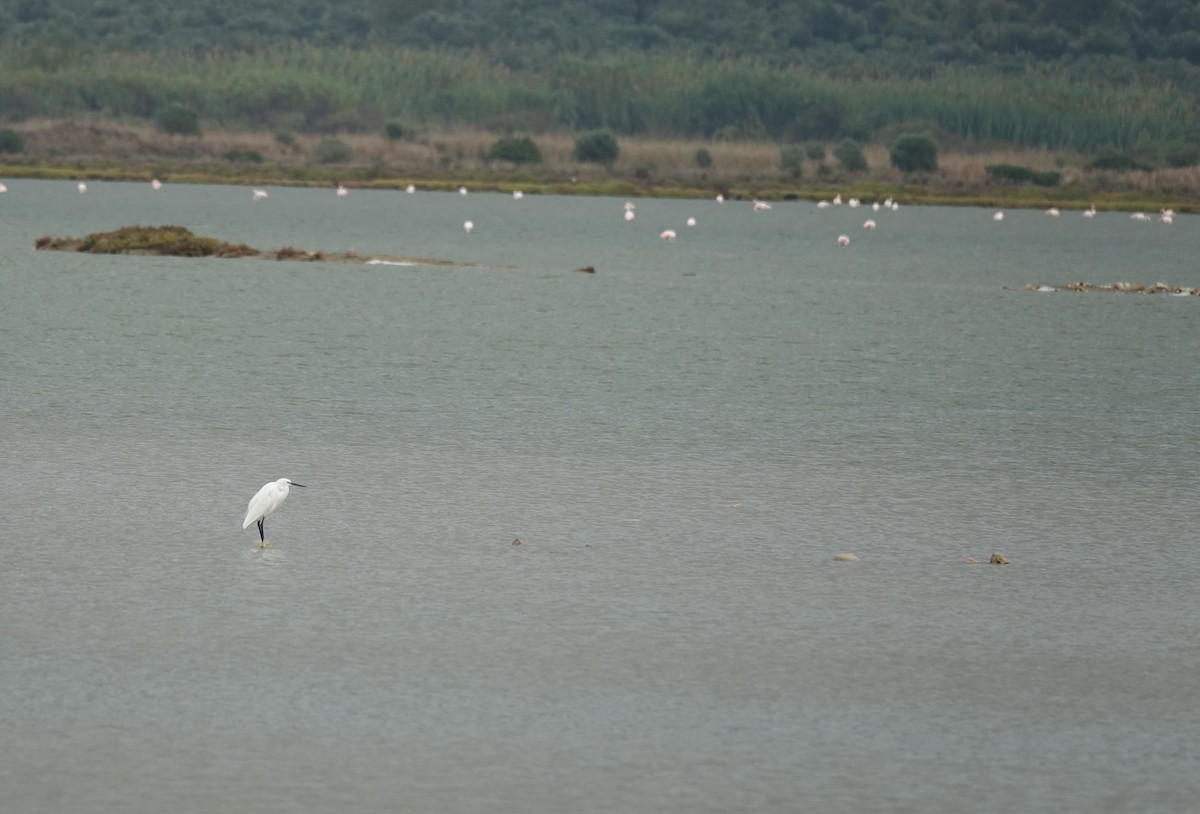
(107, 151)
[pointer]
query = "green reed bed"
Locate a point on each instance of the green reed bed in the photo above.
(311, 89)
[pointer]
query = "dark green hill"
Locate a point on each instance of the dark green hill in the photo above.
(906, 35)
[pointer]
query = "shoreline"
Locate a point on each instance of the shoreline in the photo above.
(909, 194)
(104, 150)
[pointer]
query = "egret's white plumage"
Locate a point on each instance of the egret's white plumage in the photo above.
(268, 499)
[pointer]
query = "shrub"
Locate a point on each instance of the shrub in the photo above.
(394, 131)
(11, 141)
(1181, 154)
(815, 152)
(1009, 172)
(332, 151)
(598, 146)
(791, 158)
(178, 120)
(1110, 160)
(244, 156)
(286, 139)
(517, 149)
(703, 158)
(1019, 175)
(850, 155)
(914, 152)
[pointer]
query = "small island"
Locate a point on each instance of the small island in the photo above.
(177, 241)
(1118, 287)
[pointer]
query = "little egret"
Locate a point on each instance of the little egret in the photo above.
(268, 499)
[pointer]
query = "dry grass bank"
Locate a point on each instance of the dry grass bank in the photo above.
(82, 148)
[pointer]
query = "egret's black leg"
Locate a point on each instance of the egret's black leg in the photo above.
(261, 538)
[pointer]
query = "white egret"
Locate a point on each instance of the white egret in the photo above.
(259, 194)
(691, 221)
(668, 235)
(342, 192)
(156, 184)
(629, 215)
(82, 187)
(761, 206)
(468, 227)
(843, 241)
(268, 499)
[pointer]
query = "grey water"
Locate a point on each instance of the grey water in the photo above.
(681, 442)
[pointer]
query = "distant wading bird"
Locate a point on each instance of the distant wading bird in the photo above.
(268, 499)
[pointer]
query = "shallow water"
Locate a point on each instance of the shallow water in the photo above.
(681, 442)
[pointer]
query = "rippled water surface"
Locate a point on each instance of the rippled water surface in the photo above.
(681, 442)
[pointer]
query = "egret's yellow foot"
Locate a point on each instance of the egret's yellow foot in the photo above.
(264, 544)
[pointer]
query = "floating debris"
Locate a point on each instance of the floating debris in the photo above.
(845, 556)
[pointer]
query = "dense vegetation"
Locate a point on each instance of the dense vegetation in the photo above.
(911, 34)
(1079, 74)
